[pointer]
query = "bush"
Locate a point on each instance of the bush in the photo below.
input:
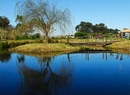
(35, 36)
(80, 34)
(17, 38)
(4, 45)
(39, 41)
(56, 41)
(24, 36)
(51, 41)
(12, 44)
(31, 37)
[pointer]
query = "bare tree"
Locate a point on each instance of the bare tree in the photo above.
(44, 15)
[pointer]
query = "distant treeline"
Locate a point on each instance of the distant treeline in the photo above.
(88, 27)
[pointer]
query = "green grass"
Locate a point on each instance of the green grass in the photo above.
(44, 48)
(50, 49)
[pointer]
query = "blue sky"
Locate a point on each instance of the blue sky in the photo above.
(113, 13)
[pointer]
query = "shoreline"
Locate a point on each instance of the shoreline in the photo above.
(48, 48)
(43, 48)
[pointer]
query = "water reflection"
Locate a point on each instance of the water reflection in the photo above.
(44, 81)
(21, 58)
(68, 56)
(88, 53)
(120, 56)
(5, 57)
(104, 54)
(81, 73)
(45, 60)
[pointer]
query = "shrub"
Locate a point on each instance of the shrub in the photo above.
(4, 45)
(12, 44)
(80, 34)
(24, 36)
(17, 38)
(34, 36)
(39, 41)
(51, 41)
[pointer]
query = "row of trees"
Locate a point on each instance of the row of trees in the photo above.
(7, 31)
(88, 28)
(40, 15)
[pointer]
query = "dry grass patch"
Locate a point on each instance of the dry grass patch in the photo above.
(120, 45)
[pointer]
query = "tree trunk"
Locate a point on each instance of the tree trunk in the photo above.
(47, 38)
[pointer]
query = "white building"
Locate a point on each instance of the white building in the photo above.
(125, 33)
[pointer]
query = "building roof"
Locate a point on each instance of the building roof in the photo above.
(126, 31)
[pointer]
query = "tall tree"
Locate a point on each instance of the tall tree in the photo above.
(5, 27)
(4, 22)
(102, 28)
(84, 27)
(44, 15)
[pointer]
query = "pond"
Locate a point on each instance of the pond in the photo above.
(78, 73)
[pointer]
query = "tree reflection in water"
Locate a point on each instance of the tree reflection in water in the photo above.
(21, 58)
(44, 81)
(121, 57)
(5, 57)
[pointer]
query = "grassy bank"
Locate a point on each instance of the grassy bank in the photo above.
(44, 48)
(38, 47)
(14, 43)
(120, 47)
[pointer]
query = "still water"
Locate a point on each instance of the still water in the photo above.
(86, 73)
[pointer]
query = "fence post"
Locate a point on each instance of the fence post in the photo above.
(67, 39)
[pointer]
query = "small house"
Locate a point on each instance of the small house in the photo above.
(125, 33)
